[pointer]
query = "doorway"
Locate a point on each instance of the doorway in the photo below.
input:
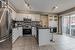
(68, 25)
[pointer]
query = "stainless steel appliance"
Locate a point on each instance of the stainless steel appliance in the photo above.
(5, 27)
(27, 31)
(27, 28)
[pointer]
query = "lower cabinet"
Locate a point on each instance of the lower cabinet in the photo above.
(16, 32)
(34, 31)
(44, 37)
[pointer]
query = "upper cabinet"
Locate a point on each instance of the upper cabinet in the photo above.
(33, 17)
(19, 18)
(44, 21)
(53, 21)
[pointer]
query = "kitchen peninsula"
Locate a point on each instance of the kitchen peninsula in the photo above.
(44, 36)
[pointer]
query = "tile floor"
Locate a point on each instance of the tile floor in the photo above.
(29, 43)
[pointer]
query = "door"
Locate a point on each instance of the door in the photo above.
(66, 25)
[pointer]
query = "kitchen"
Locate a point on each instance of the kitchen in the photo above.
(33, 25)
(37, 24)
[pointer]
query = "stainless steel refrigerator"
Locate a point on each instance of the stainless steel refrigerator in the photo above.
(5, 30)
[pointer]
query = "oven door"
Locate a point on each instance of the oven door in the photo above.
(27, 31)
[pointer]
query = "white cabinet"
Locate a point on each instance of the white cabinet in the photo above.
(34, 31)
(20, 31)
(16, 32)
(19, 18)
(35, 17)
(44, 37)
(14, 35)
(53, 21)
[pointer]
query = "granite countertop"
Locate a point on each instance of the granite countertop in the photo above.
(44, 28)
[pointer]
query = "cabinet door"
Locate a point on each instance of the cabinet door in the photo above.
(34, 31)
(14, 35)
(44, 21)
(44, 38)
(37, 18)
(19, 18)
(19, 31)
(33, 18)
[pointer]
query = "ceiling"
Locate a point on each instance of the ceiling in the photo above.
(44, 5)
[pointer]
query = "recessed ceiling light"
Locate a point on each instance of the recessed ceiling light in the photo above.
(55, 7)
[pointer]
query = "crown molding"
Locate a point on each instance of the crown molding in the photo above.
(67, 11)
(34, 12)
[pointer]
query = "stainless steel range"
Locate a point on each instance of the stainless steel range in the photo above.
(27, 28)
